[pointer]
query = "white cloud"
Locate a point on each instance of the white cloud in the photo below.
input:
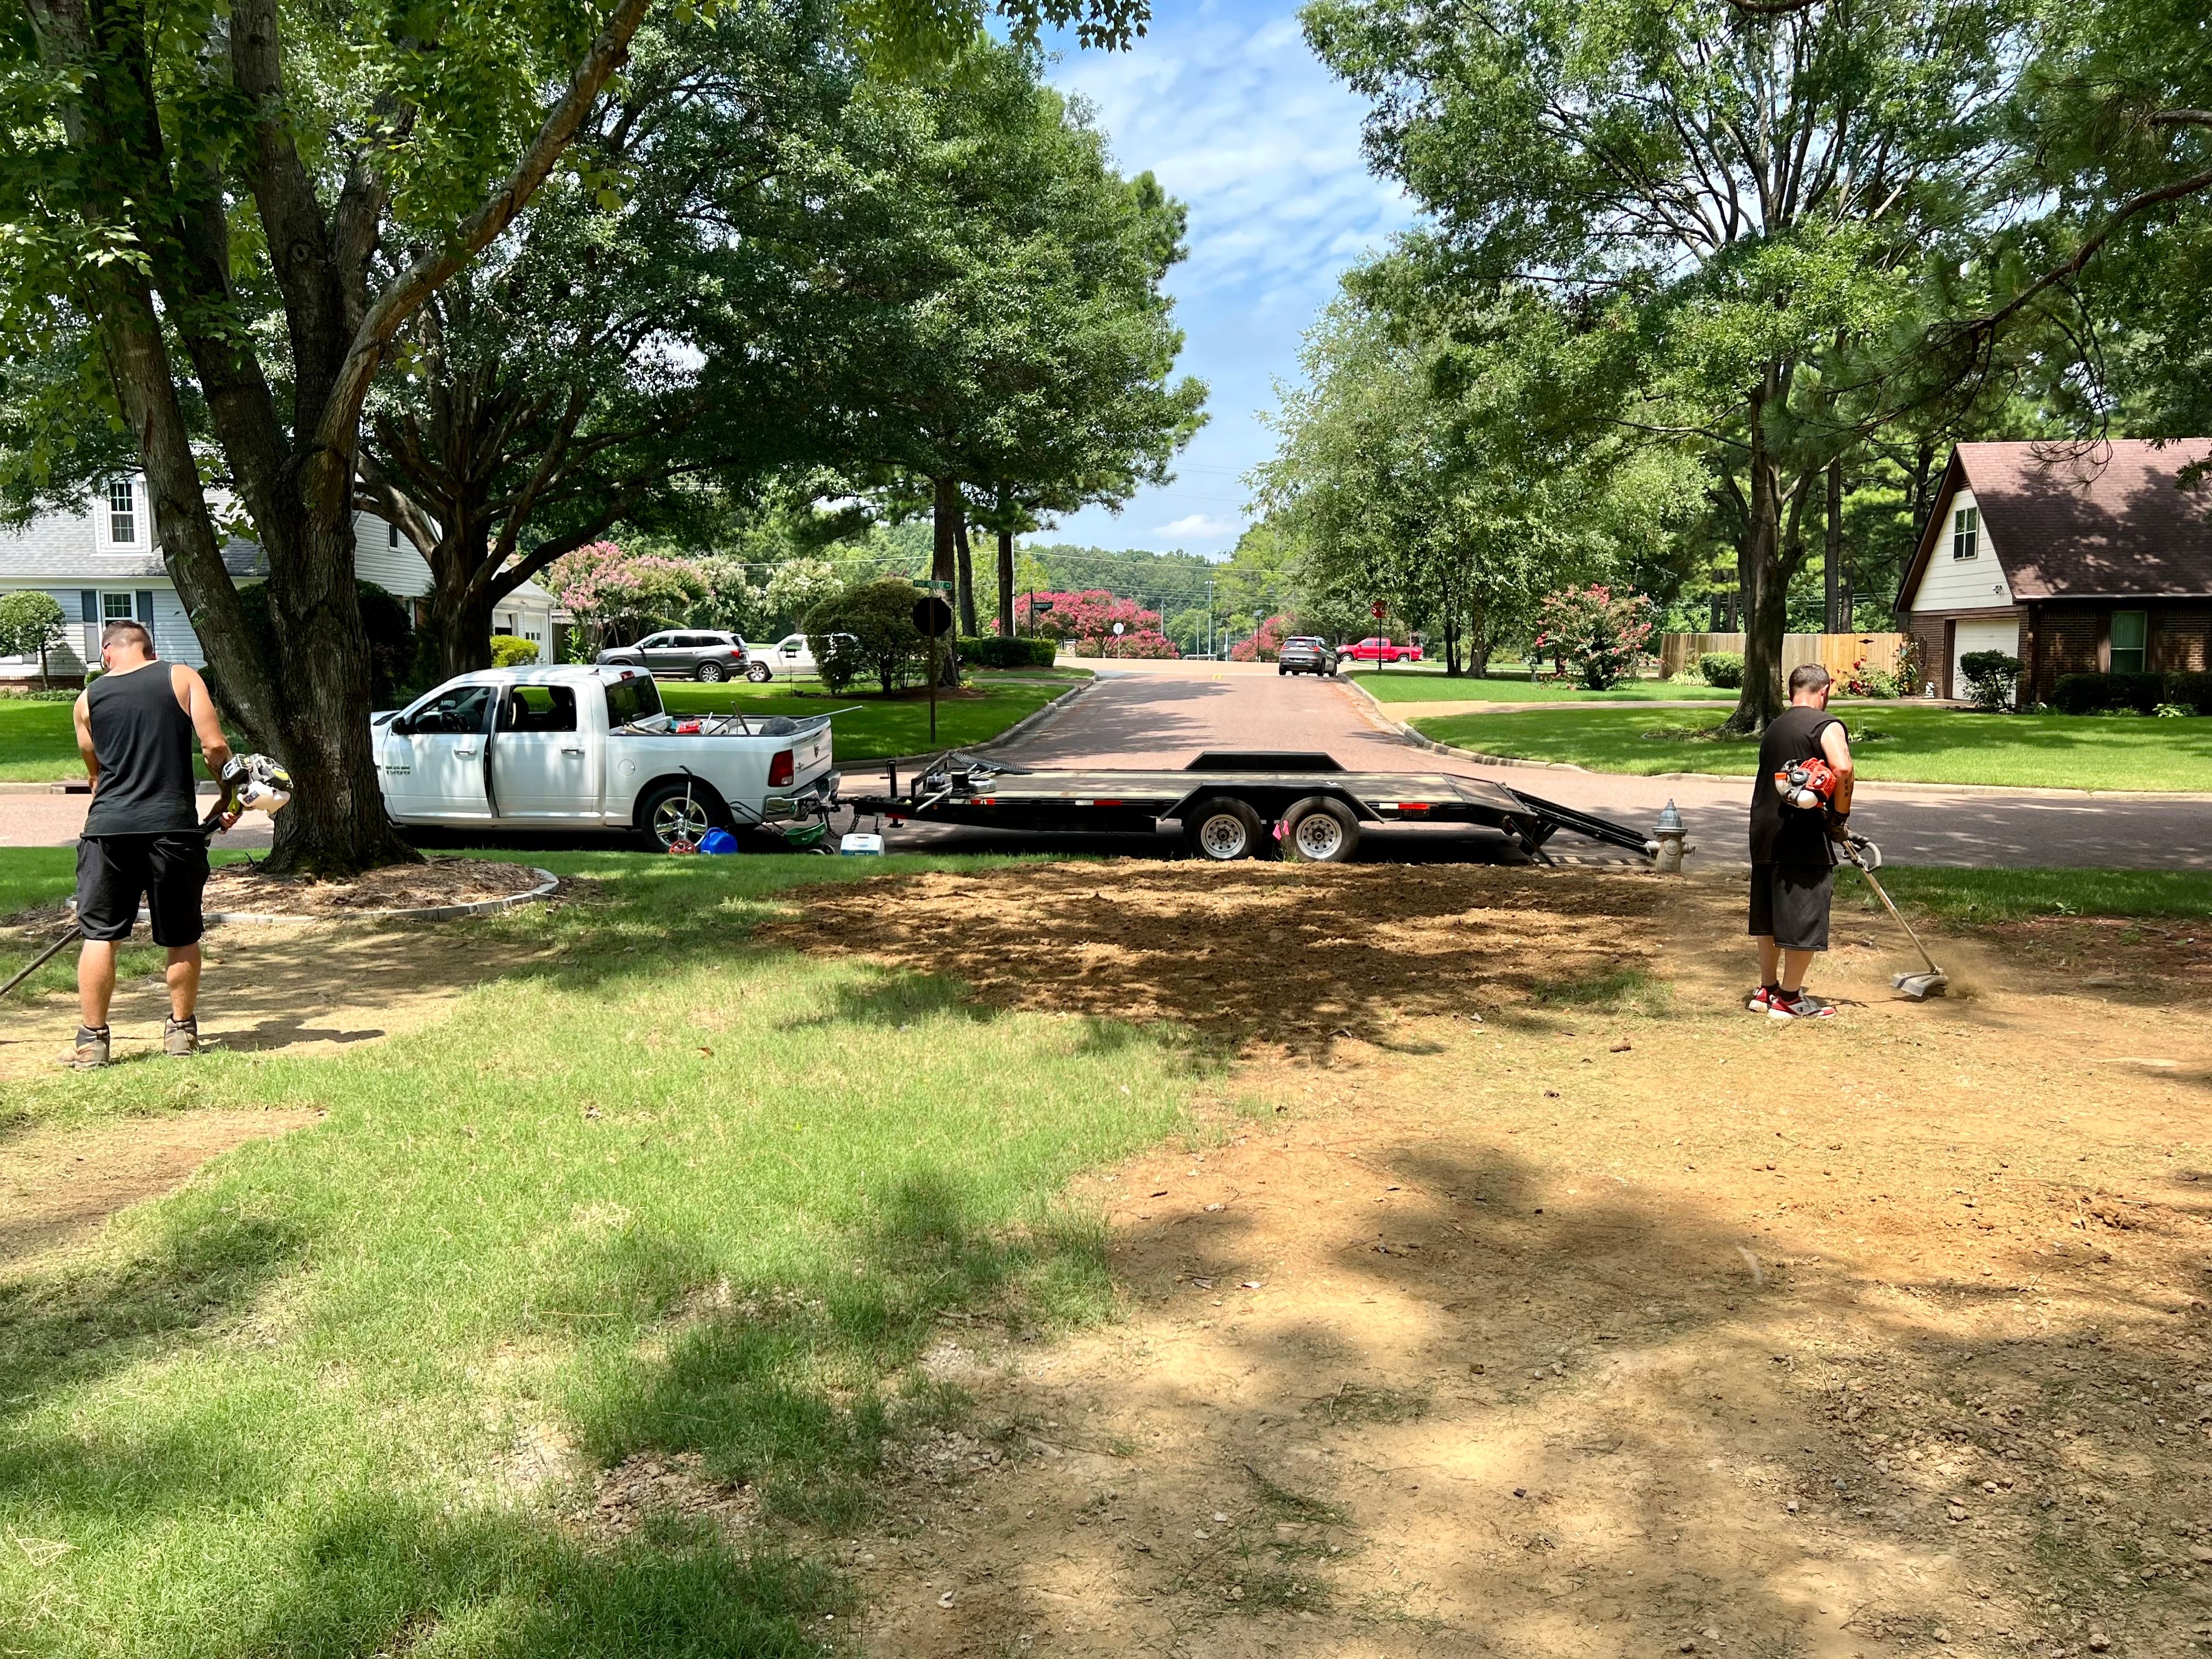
(1200, 524)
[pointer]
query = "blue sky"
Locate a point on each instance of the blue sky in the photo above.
(1223, 102)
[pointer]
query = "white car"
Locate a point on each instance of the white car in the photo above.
(590, 748)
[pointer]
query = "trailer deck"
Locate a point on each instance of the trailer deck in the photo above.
(1232, 803)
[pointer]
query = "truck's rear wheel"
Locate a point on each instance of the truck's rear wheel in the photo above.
(677, 810)
(1224, 830)
(1320, 831)
(711, 672)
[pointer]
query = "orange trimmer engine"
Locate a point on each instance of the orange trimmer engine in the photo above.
(1809, 784)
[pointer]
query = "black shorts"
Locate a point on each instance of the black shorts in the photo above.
(112, 871)
(1790, 901)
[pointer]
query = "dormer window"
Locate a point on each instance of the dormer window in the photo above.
(1966, 532)
(122, 513)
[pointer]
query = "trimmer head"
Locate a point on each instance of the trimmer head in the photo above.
(1921, 987)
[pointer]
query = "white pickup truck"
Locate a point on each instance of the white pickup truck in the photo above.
(590, 748)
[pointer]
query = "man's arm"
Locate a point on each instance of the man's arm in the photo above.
(84, 740)
(1837, 747)
(214, 748)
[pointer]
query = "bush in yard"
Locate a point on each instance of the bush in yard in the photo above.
(867, 631)
(512, 651)
(614, 595)
(1992, 676)
(30, 626)
(2131, 693)
(2192, 691)
(1266, 646)
(1087, 618)
(1864, 682)
(1143, 642)
(989, 651)
(1723, 669)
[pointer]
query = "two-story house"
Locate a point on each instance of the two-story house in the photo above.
(101, 563)
(2074, 558)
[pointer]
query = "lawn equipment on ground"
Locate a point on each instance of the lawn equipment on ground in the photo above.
(1867, 857)
(251, 783)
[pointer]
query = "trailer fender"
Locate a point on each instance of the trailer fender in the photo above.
(1271, 801)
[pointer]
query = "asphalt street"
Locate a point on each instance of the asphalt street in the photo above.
(1160, 714)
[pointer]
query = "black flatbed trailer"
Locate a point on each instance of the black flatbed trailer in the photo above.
(1229, 803)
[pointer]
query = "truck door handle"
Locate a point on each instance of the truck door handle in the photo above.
(567, 750)
(463, 753)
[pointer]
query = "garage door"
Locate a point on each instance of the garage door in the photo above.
(1981, 636)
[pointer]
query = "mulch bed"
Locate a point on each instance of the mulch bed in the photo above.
(245, 888)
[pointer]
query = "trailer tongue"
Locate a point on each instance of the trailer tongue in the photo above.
(1233, 804)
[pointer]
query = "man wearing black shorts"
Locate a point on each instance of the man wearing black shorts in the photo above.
(1793, 849)
(134, 727)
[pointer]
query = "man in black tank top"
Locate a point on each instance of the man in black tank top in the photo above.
(1793, 849)
(136, 726)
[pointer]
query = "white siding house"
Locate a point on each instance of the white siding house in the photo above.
(100, 564)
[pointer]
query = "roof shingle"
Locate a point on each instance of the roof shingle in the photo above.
(2086, 521)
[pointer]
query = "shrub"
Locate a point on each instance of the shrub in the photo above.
(1864, 682)
(1266, 646)
(2134, 694)
(1143, 642)
(1993, 677)
(2174, 711)
(510, 651)
(1601, 635)
(2192, 691)
(989, 651)
(1723, 669)
(867, 630)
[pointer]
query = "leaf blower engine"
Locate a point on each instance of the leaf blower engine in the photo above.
(255, 783)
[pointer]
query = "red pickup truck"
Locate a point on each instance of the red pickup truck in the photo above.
(1378, 649)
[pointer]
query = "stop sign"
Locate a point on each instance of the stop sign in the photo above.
(1376, 611)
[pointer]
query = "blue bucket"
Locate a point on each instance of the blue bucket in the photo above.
(718, 841)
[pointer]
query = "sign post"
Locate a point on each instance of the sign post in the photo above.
(931, 616)
(1383, 645)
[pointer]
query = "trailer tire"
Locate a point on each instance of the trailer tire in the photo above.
(1320, 831)
(1224, 829)
(660, 811)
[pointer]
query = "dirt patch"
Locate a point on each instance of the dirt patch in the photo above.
(1617, 1326)
(1300, 956)
(436, 882)
(58, 1186)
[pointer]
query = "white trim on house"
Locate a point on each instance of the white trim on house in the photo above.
(1952, 582)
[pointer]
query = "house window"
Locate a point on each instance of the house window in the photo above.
(117, 607)
(393, 530)
(2130, 633)
(1966, 532)
(122, 513)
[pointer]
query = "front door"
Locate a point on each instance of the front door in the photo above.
(541, 767)
(661, 653)
(438, 751)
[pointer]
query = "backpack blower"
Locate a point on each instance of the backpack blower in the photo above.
(251, 783)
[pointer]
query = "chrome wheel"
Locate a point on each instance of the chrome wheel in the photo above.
(680, 818)
(1320, 837)
(1224, 835)
(710, 672)
(759, 673)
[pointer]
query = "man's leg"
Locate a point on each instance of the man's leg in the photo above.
(1768, 958)
(95, 982)
(183, 978)
(1795, 964)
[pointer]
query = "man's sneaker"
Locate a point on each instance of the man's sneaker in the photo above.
(180, 1038)
(1758, 999)
(91, 1051)
(1804, 1006)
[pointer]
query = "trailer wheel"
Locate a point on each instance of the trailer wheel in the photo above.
(1224, 829)
(1320, 831)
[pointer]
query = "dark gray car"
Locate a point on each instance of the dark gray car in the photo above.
(683, 654)
(1302, 654)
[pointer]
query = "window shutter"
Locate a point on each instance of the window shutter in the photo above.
(145, 600)
(88, 604)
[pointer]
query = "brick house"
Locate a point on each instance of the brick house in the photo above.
(99, 562)
(2075, 557)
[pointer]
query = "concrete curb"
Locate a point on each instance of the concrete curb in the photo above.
(548, 881)
(1878, 786)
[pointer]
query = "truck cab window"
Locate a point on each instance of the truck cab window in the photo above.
(631, 701)
(457, 711)
(539, 709)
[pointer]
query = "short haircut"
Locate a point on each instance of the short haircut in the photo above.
(1809, 677)
(124, 629)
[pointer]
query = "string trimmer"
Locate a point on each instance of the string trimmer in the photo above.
(1920, 987)
(251, 783)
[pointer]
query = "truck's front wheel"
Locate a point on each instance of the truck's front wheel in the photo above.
(680, 810)
(759, 672)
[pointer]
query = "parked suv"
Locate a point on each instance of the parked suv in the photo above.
(1302, 654)
(684, 654)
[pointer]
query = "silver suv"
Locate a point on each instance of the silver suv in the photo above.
(1302, 654)
(683, 655)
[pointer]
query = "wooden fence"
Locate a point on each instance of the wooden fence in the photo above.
(1837, 653)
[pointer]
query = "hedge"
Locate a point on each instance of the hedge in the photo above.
(993, 651)
(2139, 693)
(1723, 668)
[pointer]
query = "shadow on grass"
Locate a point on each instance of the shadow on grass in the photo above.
(777, 1385)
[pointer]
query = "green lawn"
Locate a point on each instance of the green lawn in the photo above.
(668, 1190)
(37, 742)
(1894, 743)
(1395, 685)
(2011, 895)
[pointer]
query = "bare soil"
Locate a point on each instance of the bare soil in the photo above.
(1531, 1297)
(435, 882)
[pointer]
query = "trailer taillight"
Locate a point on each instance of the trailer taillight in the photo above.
(779, 769)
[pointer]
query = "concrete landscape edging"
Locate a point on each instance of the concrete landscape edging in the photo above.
(547, 882)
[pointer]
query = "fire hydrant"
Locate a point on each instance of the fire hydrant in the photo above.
(1671, 835)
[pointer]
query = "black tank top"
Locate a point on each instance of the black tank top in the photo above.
(144, 743)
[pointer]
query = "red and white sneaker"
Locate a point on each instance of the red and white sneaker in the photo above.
(1804, 1006)
(1758, 999)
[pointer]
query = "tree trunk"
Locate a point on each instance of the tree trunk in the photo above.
(1006, 581)
(967, 573)
(461, 597)
(1833, 555)
(1766, 607)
